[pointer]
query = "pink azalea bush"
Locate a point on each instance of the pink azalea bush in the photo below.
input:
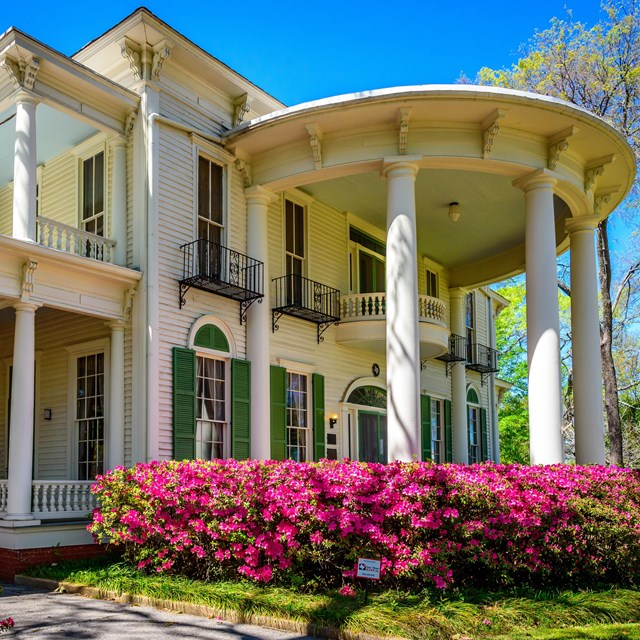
(431, 525)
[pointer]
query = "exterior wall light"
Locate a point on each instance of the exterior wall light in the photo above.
(454, 211)
(333, 421)
(47, 414)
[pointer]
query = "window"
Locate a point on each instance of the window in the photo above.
(90, 414)
(294, 244)
(470, 322)
(298, 417)
(432, 283)
(93, 216)
(437, 431)
(370, 260)
(210, 197)
(473, 425)
(212, 408)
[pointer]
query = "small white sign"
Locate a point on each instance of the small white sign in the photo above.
(368, 568)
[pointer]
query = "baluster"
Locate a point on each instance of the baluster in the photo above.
(35, 490)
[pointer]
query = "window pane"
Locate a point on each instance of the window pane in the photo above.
(380, 282)
(366, 272)
(299, 231)
(204, 192)
(288, 208)
(98, 196)
(216, 192)
(87, 189)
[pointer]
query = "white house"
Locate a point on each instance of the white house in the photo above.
(189, 268)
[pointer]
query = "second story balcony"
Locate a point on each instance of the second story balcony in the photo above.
(63, 237)
(363, 323)
(211, 267)
(306, 299)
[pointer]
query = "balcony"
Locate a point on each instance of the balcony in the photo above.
(482, 359)
(306, 299)
(457, 351)
(62, 237)
(211, 267)
(363, 323)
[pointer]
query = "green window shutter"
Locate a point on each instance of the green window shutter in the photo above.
(448, 436)
(184, 403)
(278, 382)
(318, 416)
(240, 409)
(425, 421)
(210, 337)
(484, 436)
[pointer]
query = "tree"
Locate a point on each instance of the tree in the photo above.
(597, 68)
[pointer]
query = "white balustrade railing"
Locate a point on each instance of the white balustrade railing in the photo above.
(63, 237)
(57, 498)
(373, 306)
(3, 496)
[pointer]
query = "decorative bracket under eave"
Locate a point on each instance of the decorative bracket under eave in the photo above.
(315, 140)
(490, 129)
(603, 197)
(322, 327)
(241, 106)
(594, 170)
(244, 306)
(244, 168)
(559, 144)
(161, 53)
(22, 71)
(28, 271)
(403, 129)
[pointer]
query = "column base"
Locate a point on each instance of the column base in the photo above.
(18, 521)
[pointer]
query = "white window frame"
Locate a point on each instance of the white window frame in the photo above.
(441, 441)
(204, 148)
(298, 202)
(225, 357)
(306, 370)
(73, 353)
(472, 406)
(85, 152)
(428, 271)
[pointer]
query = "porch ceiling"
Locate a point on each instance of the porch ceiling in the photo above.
(491, 221)
(56, 131)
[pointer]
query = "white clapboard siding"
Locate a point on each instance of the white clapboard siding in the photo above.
(6, 210)
(59, 189)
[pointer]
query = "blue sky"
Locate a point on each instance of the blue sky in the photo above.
(300, 51)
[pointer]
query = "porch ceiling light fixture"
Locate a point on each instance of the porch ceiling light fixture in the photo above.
(454, 211)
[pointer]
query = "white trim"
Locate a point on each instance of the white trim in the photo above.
(293, 196)
(102, 345)
(92, 150)
(220, 324)
(297, 367)
(213, 155)
(363, 382)
(309, 409)
(366, 227)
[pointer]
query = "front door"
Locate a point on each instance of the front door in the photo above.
(372, 437)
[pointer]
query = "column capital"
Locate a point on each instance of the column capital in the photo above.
(399, 165)
(458, 293)
(540, 179)
(117, 142)
(259, 195)
(582, 223)
(23, 96)
(26, 306)
(116, 325)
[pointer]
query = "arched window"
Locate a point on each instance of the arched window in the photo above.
(369, 396)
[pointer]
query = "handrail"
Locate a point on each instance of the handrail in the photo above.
(373, 306)
(63, 237)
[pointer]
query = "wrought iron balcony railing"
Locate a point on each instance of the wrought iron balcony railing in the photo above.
(482, 359)
(300, 297)
(211, 267)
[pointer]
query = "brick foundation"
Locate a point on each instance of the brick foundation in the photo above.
(15, 561)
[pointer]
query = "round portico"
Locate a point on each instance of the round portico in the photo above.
(531, 175)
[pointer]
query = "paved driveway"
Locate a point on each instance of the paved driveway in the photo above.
(54, 616)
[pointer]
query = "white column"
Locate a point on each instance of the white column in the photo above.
(543, 323)
(119, 201)
(21, 426)
(585, 337)
(115, 432)
(259, 324)
(24, 168)
(403, 348)
(457, 298)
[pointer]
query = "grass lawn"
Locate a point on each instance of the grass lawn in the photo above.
(612, 614)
